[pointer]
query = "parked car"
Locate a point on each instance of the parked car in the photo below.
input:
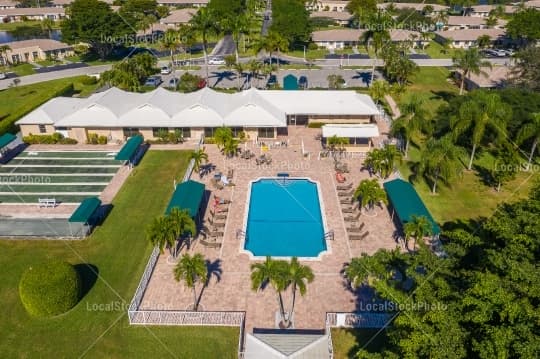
(303, 82)
(216, 60)
(153, 81)
(2, 75)
(174, 82)
(272, 81)
(509, 52)
(165, 70)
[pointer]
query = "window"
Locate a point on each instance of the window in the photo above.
(265, 132)
(236, 131)
(130, 132)
(184, 132)
(209, 131)
(42, 129)
(159, 131)
(35, 55)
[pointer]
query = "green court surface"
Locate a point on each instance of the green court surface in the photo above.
(66, 176)
(40, 227)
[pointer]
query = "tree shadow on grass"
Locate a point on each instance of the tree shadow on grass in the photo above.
(371, 340)
(88, 274)
(443, 95)
(485, 175)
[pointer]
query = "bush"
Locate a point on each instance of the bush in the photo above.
(92, 139)
(50, 289)
(209, 141)
(102, 140)
(312, 46)
(55, 138)
(316, 124)
(88, 80)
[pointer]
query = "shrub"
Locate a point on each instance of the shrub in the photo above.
(50, 289)
(55, 138)
(312, 46)
(92, 138)
(316, 124)
(88, 80)
(102, 140)
(209, 141)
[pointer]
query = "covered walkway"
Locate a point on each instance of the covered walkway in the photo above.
(129, 149)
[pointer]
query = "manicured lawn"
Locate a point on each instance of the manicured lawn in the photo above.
(11, 26)
(435, 51)
(469, 197)
(17, 101)
(347, 342)
(310, 54)
(20, 70)
(98, 326)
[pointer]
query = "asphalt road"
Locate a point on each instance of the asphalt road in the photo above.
(224, 47)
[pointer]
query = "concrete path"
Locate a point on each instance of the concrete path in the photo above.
(396, 113)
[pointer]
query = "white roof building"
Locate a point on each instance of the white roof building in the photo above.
(116, 108)
(367, 130)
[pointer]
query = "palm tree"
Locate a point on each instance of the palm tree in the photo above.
(239, 68)
(417, 228)
(204, 23)
(170, 42)
(230, 147)
(378, 90)
(492, 20)
(390, 155)
(413, 114)
(192, 269)
(254, 67)
(376, 35)
(369, 193)
(158, 232)
(273, 42)
(483, 41)
(440, 159)
(483, 110)
(469, 61)
(374, 161)
(528, 131)
(337, 143)
(3, 53)
(222, 135)
(198, 156)
(182, 224)
(299, 276)
(274, 273)
(47, 24)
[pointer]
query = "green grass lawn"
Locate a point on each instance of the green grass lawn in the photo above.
(119, 251)
(12, 26)
(436, 51)
(310, 54)
(21, 69)
(469, 197)
(347, 342)
(17, 101)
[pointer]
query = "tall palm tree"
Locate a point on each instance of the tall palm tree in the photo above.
(158, 232)
(274, 273)
(273, 42)
(469, 62)
(376, 35)
(378, 90)
(391, 156)
(336, 143)
(170, 42)
(204, 23)
(413, 114)
(3, 53)
(440, 159)
(222, 135)
(198, 157)
(47, 24)
(483, 110)
(299, 276)
(182, 224)
(418, 228)
(369, 192)
(239, 68)
(230, 147)
(192, 269)
(254, 67)
(530, 130)
(374, 161)
(483, 41)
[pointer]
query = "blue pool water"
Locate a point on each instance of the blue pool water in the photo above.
(285, 219)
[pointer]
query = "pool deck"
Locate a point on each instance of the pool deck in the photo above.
(232, 292)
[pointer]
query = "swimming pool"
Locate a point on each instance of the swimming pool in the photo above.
(284, 219)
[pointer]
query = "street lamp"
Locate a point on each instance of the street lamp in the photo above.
(304, 53)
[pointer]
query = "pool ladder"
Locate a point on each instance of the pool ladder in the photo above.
(329, 236)
(240, 233)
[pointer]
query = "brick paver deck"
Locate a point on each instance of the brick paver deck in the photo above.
(233, 291)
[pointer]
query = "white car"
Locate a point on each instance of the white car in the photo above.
(165, 70)
(2, 76)
(216, 61)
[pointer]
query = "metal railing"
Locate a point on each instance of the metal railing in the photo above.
(329, 235)
(143, 283)
(177, 317)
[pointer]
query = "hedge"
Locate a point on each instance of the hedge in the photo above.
(50, 288)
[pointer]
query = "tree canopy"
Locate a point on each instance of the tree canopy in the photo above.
(290, 20)
(525, 26)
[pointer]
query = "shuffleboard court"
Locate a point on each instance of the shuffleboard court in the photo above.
(10, 178)
(62, 162)
(22, 198)
(59, 170)
(67, 154)
(37, 227)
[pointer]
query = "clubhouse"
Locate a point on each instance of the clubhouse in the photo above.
(264, 114)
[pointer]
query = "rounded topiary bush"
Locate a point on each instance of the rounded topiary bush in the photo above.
(49, 289)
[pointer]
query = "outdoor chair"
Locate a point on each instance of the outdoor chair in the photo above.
(215, 183)
(346, 194)
(215, 223)
(230, 174)
(346, 201)
(344, 187)
(355, 237)
(356, 229)
(353, 218)
(349, 209)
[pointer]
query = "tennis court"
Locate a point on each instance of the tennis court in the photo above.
(65, 176)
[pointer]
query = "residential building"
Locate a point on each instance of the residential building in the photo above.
(342, 18)
(329, 5)
(183, 3)
(419, 7)
(468, 37)
(340, 38)
(471, 22)
(178, 17)
(31, 13)
(485, 10)
(495, 77)
(260, 114)
(7, 4)
(36, 50)
(535, 4)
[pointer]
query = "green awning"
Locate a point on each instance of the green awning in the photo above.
(290, 82)
(6, 139)
(187, 195)
(407, 203)
(129, 149)
(85, 210)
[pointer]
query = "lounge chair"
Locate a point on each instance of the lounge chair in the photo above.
(215, 183)
(215, 223)
(219, 216)
(353, 218)
(210, 244)
(355, 237)
(230, 174)
(346, 200)
(355, 229)
(345, 194)
(364, 236)
(349, 209)
(344, 187)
